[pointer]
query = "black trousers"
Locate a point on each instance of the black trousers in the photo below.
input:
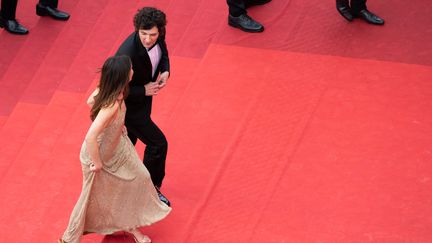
(238, 7)
(49, 3)
(156, 147)
(8, 7)
(358, 5)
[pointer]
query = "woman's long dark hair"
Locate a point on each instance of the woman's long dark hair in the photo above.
(114, 80)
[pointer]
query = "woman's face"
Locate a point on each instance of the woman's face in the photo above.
(149, 37)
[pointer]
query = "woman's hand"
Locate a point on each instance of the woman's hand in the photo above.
(124, 130)
(95, 167)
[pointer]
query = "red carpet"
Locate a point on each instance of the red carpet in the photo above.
(316, 130)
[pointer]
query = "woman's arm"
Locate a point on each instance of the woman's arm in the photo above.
(102, 120)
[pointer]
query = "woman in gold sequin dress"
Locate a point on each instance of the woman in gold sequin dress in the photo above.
(117, 193)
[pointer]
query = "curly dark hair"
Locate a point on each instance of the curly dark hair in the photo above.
(149, 17)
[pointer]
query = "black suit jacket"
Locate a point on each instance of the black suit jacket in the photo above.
(137, 103)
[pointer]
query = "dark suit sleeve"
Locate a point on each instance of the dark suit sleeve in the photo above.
(164, 64)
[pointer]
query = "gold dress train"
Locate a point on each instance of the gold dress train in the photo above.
(121, 196)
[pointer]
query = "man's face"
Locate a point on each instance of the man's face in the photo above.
(148, 37)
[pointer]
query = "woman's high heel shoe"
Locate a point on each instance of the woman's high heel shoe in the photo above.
(144, 239)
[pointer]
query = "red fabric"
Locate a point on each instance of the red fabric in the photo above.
(316, 130)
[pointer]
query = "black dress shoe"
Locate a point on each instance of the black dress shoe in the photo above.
(344, 9)
(42, 10)
(13, 26)
(256, 2)
(162, 197)
(245, 23)
(370, 17)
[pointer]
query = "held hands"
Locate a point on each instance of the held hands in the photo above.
(95, 167)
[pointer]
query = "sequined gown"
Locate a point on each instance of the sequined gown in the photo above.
(121, 196)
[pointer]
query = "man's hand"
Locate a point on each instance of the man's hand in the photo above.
(162, 79)
(151, 88)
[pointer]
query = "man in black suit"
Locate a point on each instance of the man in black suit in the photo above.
(238, 17)
(148, 51)
(357, 9)
(43, 8)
